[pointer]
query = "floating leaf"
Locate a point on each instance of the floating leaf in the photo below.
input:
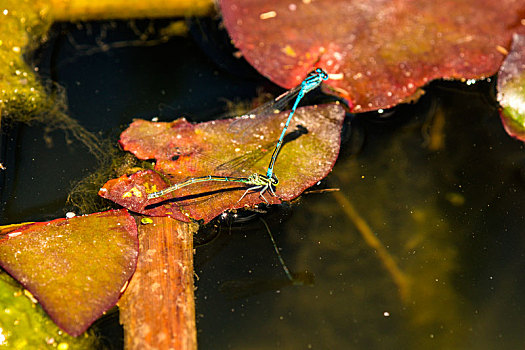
(511, 89)
(377, 52)
(74, 267)
(184, 150)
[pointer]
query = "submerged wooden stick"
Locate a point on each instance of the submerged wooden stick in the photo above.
(158, 309)
(399, 277)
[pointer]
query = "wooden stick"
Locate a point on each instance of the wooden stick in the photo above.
(158, 309)
(74, 10)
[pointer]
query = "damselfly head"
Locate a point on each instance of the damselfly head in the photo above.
(321, 73)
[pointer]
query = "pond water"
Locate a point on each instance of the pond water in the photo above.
(422, 244)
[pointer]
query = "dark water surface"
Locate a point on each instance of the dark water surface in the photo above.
(438, 183)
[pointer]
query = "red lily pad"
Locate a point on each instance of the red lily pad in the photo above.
(378, 53)
(184, 150)
(76, 268)
(511, 89)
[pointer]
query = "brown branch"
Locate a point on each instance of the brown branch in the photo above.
(74, 10)
(158, 309)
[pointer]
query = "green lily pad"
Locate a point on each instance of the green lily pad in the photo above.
(511, 89)
(184, 150)
(76, 268)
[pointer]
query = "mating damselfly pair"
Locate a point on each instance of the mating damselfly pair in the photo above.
(261, 182)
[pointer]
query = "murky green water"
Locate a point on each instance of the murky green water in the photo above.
(438, 184)
(441, 186)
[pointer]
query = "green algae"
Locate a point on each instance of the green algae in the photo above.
(24, 325)
(22, 28)
(84, 193)
(24, 97)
